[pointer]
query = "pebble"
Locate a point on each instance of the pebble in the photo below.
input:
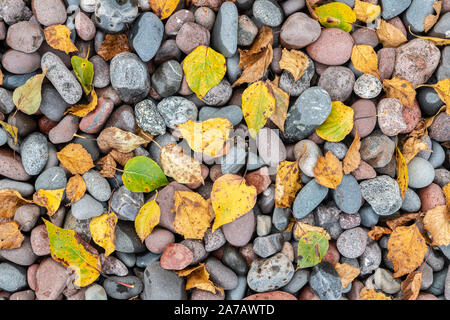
(49, 12)
(128, 259)
(239, 232)
(270, 274)
(197, 248)
(364, 109)
(386, 62)
(27, 216)
(213, 241)
(438, 286)
(281, 218)
(365, 36)
(295, 89)
(420, 173)
(383, 194)
(233, 113)
(268, 12)
(34, 150)
(265, 246)
(292, 39)
(51, 179)
(368, 216)
(11, 166)
(272, 295)
(333, 47)
(52, 105)
(95, 292)
(126, 203)
(383, 279)
(427, 277)
(166, 80)
(225, 31)
(390, 117)
(97, 186)
(411, 201)
(13, 11)
(377, 149)
(176, 21)
(339, 149)
(123, 118)
(309, 197)
(270, 147)
(23, 295)
(79, 226)
(260, 179)
(166, 203)
(20, 63)
(161, 284)
(64, 130)
(87, 207)
(177, 110)
(148, 118)
(266, 201)
(121, 292)
(392, 8)
(39, 241)
(431, 197)
(367, 86)
(235, 261)
(239, 292)
(126, 238)
(145, 259)
(129, 77)
(411, 117)
(146, 35)
(439, 129)
(443, 70)
(24, 36)
(338, 82)
(348, 195)
(12, 277)
(429, 100)
(85, 27)
(176, 257)
(113, 16)
(192, 35)
(94, 121)
(220, 274)
(51, 279)
(247, 31)
(352, 243)
(416, 13)
(325, 282)
(218, 95)
(158, 240)
(6, 100)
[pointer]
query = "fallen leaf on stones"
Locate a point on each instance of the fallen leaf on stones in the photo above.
(431, 19)
(402, 172)
(364, 59)
(10, 201)
(10, 235)
(258, 104)
(377, 232)
(50, 199)
(406, 249)
(58, 37)
(336, 15)
(84, 71)
(446, 191)
(103, 231)
(352, 158)
(434, 40)
(12, 131)
(142, 174)
(437, 223)
(198, 277)
(347, 273)
(328, 171)
(179, 165)
(366, 12)
(108, 165)
(81, 110)
(1, 77)
(421, 129)
(257, 59)
(295, 62)
(303, 228)
(163, 8)
(411, 285)
(120, 157)
(278, 117)
(442, 88)
(402, 220)
(113, 45)
(75, 188)
(311, 249)
(400, 89)
(390, 36)
(290, 226)
(311, 4)
(287, 183)
(231, 198)
(75, 158)
(147, 218)
(192, 216)
(27, 97)
(371, 294)
(204, 68)
(119, 139)
(68, 248)
(210, 136)
(412, 147)
(338, 124)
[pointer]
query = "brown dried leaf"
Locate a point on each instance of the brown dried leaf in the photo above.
(198, 277)
(328, 171)
(377, 232)
(179, 165)
(113, 45)
(10, 201)
(437, 223)
(278, 117)
(402, 220)
(371, 294)
(412, 147)
(295, 62)
(411, 285)
(108, 166)
(390, 36)
(402, 172)
(10, 235)
(347, 273)
(431, 19)
(400, 89)
(352, 158)
(75, 188)
(120, 157)
(119, 139)
(287, 183)
(75, 158)
(58, 37)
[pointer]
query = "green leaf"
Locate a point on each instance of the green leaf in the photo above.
(142, 174)
(338, 124)
(312, 247)
(27, 97)
(84, 71)
(336, 15)
(204, 68)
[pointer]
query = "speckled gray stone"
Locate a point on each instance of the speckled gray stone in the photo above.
(177, 110)
(126, 204)
(34, 151)
(219, 95)
(352, 243)
(12, 277)
(348, 195)
(437, 157)
(268, 245)
(97, 186)
(6, 100)
(325, 281)
(112, 16)
(383, 194)
(270, 274)
(148, 117)
(367, 86)
(225, 31)
(268, 12)
(420, 173)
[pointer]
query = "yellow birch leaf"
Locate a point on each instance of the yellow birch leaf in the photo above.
(210, 136)
(81, 110)
(10, 235)
(352, 158)
(377, 232)
(366, 12)
(370, 294)
(406, 249)
(258, 104)
(10, 201)
(303, 228)
(50, 199)
(279, 115)
(390, 36)
(446, 190)
(231, 198)
(434, 40)
(58, 37)
(328, 171)
(364, 59)
(12, 131)
(192, 216)
(338, 124)
(431, 19)
(347, 273)
(179, 165)
(75, 158)
(336, 15)
(198, 277)
(147, 218)
(400, 89)
(103, 231)
(163, 8)
(412, 147)
(75, 188)
(402, 172)
(295, 62)
(411, 285)
(442, 88)
(287, 183)
(437, 223)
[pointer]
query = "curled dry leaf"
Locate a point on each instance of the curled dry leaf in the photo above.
(442, 88)
(12, 131)
(402, 172)
(406, 249)
(231, 198)
(411, 285)
(336, 15)
(278, 117)
(312, 247)
(390, 36)
(421, 128)
(119, 139)
(400, 89)
(366, 12)
(402, 220)
(371, 294)
(364, 59)
(113, 45)
(192, 216)
(198, 277)
(295, 62)
(10, 201)
(347, 273)
(437, 223)
(10, 235)
(303, 228)
(58, 37)
(377, 232)
(163, 8)
(431, 19)
(120, 157)
(352, 158)
(147, 218)
(103, 231)
(210, 136)
(412, 147)
(108, 166)
(436, 41)
(328, 171)
(179, 165)
(287, 183)
(338, 124)
(50, 199)
(27, 98)
(81, 110)
(75, 188)
(75, 158)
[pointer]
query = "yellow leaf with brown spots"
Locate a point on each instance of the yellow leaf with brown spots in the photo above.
(303, 228)
(50, 199)
(12, 131)
(347, 273)
(365, 60)
(402, 220)
(75, 188)
(437, 223)
(328, 171)
(352, 158)
(58, 37)
(81, 110)
(412, 147)
(75, 158)
(402, 172)
(295, 62)
(103, 231)
(163, 8)
(446, 191)
(10, 201)
(390, 36)
(431, 19)
(366, 12)
(287, 183)
(371, 294)
(10, 235)
(179, 165)
(411, 285)
(198, 277)
(400, 89)
(278, 117)
(147, 218)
